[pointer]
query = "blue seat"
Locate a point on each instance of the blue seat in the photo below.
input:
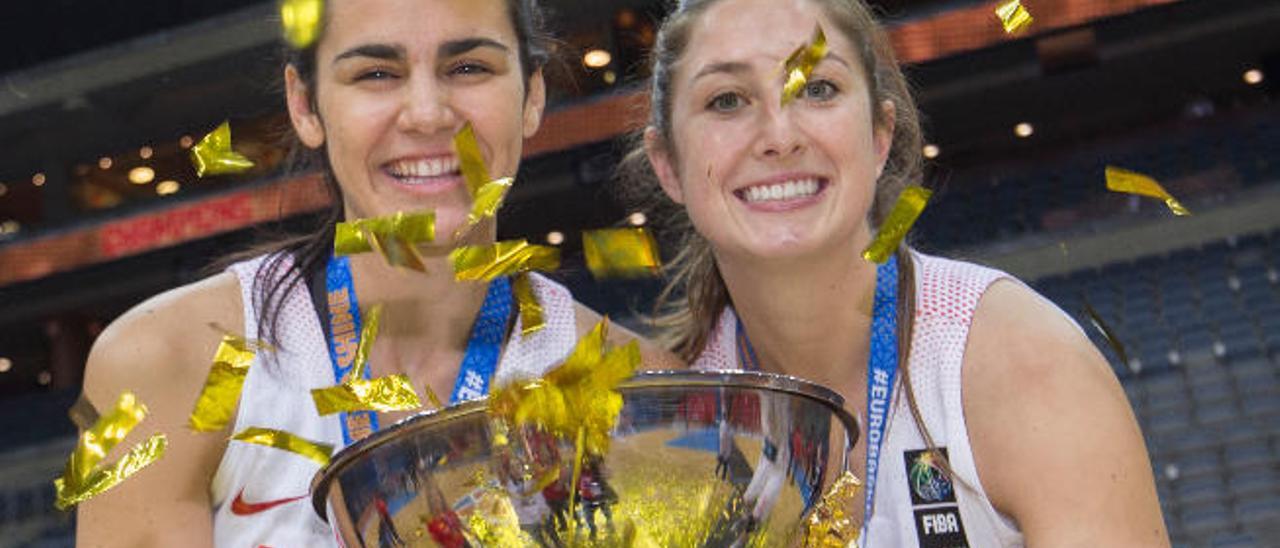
(1248, 454)
(1260, 510)
(1198, 459)
(1200, 489)
(1234, 540)
(1216, 413)
(1204, 519)
(1249, 484)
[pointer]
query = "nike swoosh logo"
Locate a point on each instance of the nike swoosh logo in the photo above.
(240, 507)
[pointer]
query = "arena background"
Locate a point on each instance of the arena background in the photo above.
(1020, 129)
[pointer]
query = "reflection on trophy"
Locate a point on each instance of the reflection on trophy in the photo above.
(694, 459)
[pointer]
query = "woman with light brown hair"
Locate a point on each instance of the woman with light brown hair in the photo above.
(1003, 426)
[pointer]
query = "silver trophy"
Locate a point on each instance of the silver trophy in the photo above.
(696, 459)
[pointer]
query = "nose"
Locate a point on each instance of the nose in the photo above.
(779, 137)
(426, 107)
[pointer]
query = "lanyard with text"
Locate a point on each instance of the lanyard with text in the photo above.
(882, 368)
(478, 364)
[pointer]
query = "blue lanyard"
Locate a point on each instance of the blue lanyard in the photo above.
(882, 368)
(478, 364)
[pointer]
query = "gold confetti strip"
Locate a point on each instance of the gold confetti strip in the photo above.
(800, 64)
(433, 398)
(301, 21)
(488, 200)
(1132, 182)
(356, 393)
(621, 253)
(213, 154)
(1013, 16)
(284, 441)
(1107, 332)
(484, 263)
(395, 237)
(904, 214)
(471, 160)
(578, 398)
(217, 402)
(531, 318)
(84, 478)
(830, 524)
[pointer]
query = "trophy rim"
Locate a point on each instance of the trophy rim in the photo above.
(643, 379)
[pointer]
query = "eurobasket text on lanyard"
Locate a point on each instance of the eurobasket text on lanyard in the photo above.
(478, 364)
(882, 368)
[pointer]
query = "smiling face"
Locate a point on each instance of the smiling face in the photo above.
(394, 81)
(760, 180)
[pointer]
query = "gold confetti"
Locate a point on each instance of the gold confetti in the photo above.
(484, 263)
(433, 398)
(1013, 16)
(1132, 182)
(577, 398)
(488, 200)
(217, 402)
(82, 413)
(356, 393)
(621, 253)
(395, 237)
(830, 524)
(531, 319)
(471, 160)
(1107, 332)
(301, 21)
(213, 154)
(84, 478)
(800, 64)
(904, 214)
(284, 441)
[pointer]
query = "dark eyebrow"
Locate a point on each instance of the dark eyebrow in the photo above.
(377, 51)
(458, 47)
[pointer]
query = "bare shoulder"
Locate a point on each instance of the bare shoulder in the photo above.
(161, 351)
(1043, 408)
(653, 357)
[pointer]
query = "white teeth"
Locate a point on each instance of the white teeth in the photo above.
(789, 190)
(428, 167)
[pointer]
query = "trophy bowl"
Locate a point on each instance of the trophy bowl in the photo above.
(697, 458)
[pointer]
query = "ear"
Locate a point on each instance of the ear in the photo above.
(655, 147)
(884, 133)
(306, 122)
(534, 102)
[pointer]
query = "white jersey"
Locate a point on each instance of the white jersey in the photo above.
(915, 503)
(261, 496)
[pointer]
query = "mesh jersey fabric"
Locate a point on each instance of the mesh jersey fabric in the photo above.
(947, 295)
(261, 495)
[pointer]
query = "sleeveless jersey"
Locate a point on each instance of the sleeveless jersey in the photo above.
(915, 503)
(261, 495)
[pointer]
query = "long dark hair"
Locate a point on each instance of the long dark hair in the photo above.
(291, 258)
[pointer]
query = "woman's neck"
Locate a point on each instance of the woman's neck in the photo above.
(807, 318)
(427, 317)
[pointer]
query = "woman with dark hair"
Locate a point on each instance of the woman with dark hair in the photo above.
(377, 99)
(1003, 425)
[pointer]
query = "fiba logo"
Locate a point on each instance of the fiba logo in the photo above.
(927, 479)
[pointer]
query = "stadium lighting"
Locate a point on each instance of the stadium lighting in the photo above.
(597, 58)
(141, 175)
(104, 162)
(186, 141)
(637, 219)
(38, 179)
(44, 378)
(145, 153)
(165, 188)
(5, 365)
(1024, 130)
(931, 151)
(1253, 77)
(4, 189)
(555, 237)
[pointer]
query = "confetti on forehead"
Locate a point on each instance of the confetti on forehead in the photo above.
(300, 21)
(1132, 182)
(800, 64)
(1013, 16)
(905, 211)
(213, 154)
